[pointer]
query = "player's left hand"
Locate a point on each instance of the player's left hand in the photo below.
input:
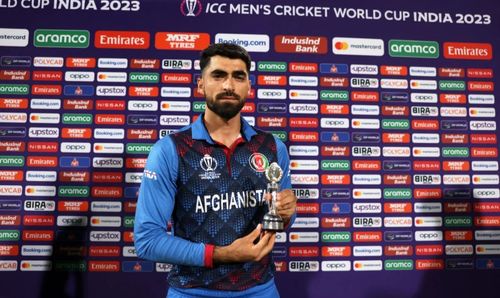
(286, 202)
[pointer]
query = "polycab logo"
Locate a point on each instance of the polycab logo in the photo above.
(397, 222)
(357, 46)
(306, 179)
(121, 40)
(181, 41)
(393, 84)
(300, 44)
(468, 51)
(48, 61)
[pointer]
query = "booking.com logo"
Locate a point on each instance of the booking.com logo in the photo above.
(191, 8)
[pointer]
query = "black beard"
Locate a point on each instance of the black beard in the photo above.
(225, 111)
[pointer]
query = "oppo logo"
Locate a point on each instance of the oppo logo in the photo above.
(270, 93)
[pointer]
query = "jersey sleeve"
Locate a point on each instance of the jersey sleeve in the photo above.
(154, 209)
(284, 162)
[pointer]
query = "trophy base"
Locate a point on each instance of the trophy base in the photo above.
(273, 223)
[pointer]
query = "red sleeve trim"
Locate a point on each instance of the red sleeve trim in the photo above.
(209, 255)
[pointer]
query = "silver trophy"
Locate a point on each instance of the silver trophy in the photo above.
(272, 220)
(191, 5)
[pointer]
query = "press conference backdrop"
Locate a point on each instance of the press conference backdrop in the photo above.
(388, 110)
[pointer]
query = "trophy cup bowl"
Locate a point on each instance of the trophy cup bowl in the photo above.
(272, 221)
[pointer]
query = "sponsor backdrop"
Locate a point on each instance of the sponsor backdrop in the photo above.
(388, 110)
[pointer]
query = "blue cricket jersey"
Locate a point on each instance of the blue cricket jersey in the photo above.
(212, 195)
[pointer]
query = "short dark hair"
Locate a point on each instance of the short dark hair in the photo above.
(228, 50)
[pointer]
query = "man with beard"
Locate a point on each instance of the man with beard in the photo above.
(209, 180)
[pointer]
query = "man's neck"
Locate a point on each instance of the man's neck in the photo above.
(222, 130)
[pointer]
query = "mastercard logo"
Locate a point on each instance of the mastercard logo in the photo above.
(356, 123)
(357, 193)
(477, 179)
(292, 94)
(35, 117)
(341, 45)
(358, 265)
(102, 76)
(96, 221)
(30, 190)
(417, 151)
(473, 112)
(99, 147)
(294, 164)
(294, 236)
(165, 105)
(480, 249)
(26, 265)
(419, 221)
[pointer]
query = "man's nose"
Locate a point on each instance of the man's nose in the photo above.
(228, 84)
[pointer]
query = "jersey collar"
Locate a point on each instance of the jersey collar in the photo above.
(200, 132)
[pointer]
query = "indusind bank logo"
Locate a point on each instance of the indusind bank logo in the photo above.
(191, 8)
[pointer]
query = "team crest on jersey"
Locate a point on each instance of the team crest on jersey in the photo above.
(209, 165)
(258, 162)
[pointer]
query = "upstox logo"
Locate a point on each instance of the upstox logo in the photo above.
(413, 48)
(47, 38)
